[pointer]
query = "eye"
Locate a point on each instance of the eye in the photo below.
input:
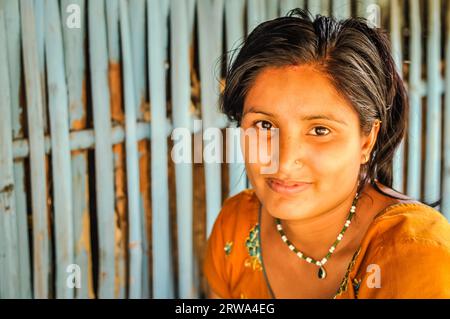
(263, 125)
(320, 131)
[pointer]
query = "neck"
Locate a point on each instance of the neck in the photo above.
(315, 235)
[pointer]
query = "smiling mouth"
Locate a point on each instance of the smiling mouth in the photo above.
(285, 187)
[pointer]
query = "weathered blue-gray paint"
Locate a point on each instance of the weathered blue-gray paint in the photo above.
(181, 91)
(314, 6)
(139, 46)
(210, 48)
(415, 99)
(433, 114)
(9, 258)
(132, 164)
(112, 19)
(113, 34)
(235, 31)
(12, 20)
(39, 13)
(85, 139)
(76, 81)
(61, 162)
(396, 40)
(287, 5)
(41, 248)
(341, 9)
(256, 13)
(103, 146)
(137, 27)
(163, 281)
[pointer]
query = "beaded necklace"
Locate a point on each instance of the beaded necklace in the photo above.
(322, 272)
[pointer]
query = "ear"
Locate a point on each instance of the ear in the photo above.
(368, 142)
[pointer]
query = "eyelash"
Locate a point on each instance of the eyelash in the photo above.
(315, 127)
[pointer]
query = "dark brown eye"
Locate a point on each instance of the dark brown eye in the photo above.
(320, 131)
(264, 125)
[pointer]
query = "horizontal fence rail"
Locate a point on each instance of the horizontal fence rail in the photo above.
(91, 204)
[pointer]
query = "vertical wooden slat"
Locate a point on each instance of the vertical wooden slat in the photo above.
(272, 9)
(139, 45)
(103, 150)
(112, 17)
(59, 129)
(234, 16)
(415, 113)
(181, 90)
(134, 216)
(256, 13)
(287, 5)
(315, 6)
(210, 17)
(39, 12)
(396, 39)
(76, 89)
(9, 259)
(118, 118)
(341, 9)
(41, 259)
(137, 27)
(12, 19)
(325, 7)
(163, 281)
(433, 121)
(445, 208)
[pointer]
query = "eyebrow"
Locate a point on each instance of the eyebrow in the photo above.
(303, 118)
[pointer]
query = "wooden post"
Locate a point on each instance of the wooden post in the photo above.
(41, 252)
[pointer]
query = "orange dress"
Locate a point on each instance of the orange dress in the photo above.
(410, 242)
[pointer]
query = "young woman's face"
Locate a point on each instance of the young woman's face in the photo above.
(320, 144)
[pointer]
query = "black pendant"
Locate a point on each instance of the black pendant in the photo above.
(322, 273)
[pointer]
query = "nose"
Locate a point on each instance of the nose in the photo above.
(291, 152)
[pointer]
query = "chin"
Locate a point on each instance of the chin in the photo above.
(281, 206)
(287, 210)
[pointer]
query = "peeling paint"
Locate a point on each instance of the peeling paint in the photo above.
(84, 243)
(115, 89)
(78, 111)
(117, 115)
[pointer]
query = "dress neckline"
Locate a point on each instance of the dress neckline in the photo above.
(344, 281)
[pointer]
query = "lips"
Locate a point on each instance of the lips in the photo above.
(288, 187)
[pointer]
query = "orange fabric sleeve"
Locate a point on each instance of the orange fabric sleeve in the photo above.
(411, 252)
(414, 268)
(214, 263)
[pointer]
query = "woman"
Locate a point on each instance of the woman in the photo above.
(326, 223)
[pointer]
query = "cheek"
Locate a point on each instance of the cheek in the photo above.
(335, 163)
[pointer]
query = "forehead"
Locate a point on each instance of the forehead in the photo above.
(299, 89)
